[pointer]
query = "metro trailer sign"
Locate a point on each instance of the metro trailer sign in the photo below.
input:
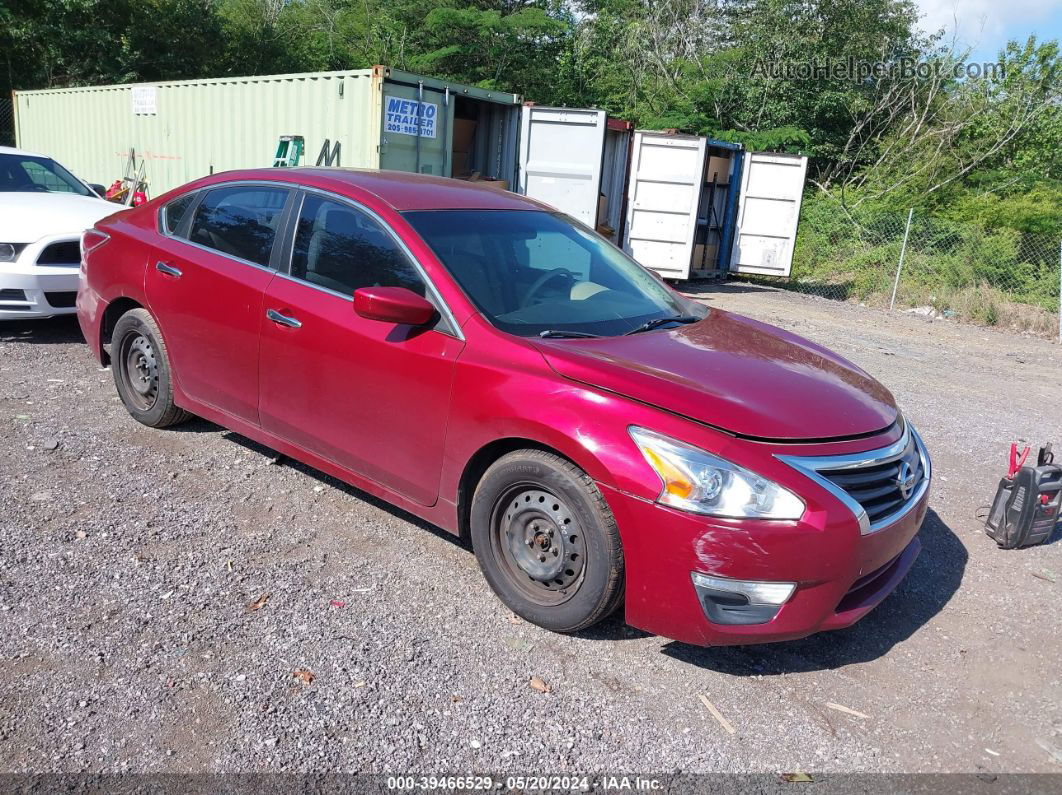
(402, 116)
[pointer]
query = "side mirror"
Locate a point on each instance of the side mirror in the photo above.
(393, 305)
(100, 190)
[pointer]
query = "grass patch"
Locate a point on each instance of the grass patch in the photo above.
(1002, 278)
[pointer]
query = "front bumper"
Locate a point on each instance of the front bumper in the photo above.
(840, 573)
(29, 290)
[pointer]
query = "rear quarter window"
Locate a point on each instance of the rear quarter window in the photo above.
(174, 212)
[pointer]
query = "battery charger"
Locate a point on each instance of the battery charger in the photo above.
(1026, 506)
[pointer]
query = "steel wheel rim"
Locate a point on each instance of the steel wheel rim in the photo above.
(539, 543)
(141, 370)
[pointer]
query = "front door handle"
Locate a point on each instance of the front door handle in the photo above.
(169, 270)
(283, 320)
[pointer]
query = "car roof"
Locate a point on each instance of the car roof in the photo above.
(402, 190)
(10, 150)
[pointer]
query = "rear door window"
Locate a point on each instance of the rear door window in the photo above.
(240, 221)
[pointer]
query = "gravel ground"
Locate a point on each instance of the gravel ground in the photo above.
(132, 557)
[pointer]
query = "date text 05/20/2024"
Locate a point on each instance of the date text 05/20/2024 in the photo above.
(572, 783)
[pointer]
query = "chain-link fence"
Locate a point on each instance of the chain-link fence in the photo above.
(912, 261)
(7, 122)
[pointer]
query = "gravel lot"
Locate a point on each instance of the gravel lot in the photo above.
(130, 557)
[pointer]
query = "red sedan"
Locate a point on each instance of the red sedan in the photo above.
(485, 363)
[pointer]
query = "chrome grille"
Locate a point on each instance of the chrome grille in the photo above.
(883, 488)
(879, 486)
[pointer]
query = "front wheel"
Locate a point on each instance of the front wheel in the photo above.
(546, 541)
(142, 372)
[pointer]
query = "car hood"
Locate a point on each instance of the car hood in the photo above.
(27, 217)
(733, 373)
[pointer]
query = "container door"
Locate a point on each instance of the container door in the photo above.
(665, 188)
(769, 208)
(416, 127)
(560, 158)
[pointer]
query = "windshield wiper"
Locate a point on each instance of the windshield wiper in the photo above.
(649, 325)
(560, 333)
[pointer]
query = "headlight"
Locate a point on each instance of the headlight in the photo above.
(695, 480)
(9, 251)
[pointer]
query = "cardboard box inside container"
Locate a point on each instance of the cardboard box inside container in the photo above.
(605, 231)
(705, 256)
(464, 132)
(602, 208)
(459, 165)
(487, 182)
(717, 170)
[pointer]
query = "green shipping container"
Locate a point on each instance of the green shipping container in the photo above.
(369, 118)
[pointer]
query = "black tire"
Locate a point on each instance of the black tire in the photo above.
(142, 372)
(546, 541)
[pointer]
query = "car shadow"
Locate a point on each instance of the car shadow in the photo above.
(326, 480)
(613, 628)
(60, 330)
(199, 425)
(928, 587)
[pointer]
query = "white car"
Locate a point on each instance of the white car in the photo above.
(43, 211)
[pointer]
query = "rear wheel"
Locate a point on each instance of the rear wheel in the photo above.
(546, 541)
(142, 370)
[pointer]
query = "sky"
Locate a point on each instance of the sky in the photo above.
(986, 25)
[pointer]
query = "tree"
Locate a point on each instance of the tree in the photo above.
(929, 135)
(491, 48)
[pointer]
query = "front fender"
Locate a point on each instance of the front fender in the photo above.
(510, 392)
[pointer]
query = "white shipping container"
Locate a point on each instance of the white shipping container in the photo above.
(685, 221)
(570, 157)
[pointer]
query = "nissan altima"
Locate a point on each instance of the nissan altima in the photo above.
(485, 363)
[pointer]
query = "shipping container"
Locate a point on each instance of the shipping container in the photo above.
(576, 160)
(369, 118)
(701, 208)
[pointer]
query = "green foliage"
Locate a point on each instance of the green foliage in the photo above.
(991, 275)
(995, 134)
(489, 48)
(83, 42)
(1037, 210)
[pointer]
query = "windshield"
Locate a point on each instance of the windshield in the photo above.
(535, 272)
(28, 174)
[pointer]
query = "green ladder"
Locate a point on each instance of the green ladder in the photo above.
(289, 151)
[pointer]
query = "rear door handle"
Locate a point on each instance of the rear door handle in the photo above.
(169, 270)
(283, 320)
